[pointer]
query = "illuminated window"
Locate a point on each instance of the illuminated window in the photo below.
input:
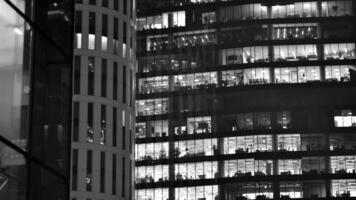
(195, 81)
(336, 8)
(290, 142)
(247, 144)
(344, 118)
(339, 73)
(291, 190)
(152, 106)
(152, 194)
(343, 188)
(244, 55)
(199, 170)
(295, 52)
(248, 167)
(152, 151)
(343, 51)
(208, 192)
(152, 129)
(78, 39)
(198, 125)
(296, 10)
(91, 41)
(297, 74)
(191, 148)
(153, 84)
(289, 167)
(260, 190)
(256, 76)
(150, 174)
(342, 164)
(104, 43)
(295, 31)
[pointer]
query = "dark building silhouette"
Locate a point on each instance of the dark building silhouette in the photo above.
(35, 101)
(245, 100)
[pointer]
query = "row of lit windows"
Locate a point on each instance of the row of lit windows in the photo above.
(187, 39)
(203, 124)
(241, 34)
(245, 144)
(253, 76)
(257, 54)
(238, 122)
(249, 12)
(261, 190)
(342, 51)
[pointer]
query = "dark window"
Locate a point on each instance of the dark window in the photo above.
(114, 127)
(103, 125)
(131, 8)
(124, 84)
(78, 1)
(114, 174)
(103, 77)
(89, 178)
(78, 21)
(76, 122)
(116, 28)
(123, 137)
(75, 170)
(130, 141)
(90, 126)
(102, 172)
(131, 84)
(124, 32)
(92, 2)
(91, 70)
(105, 3)
(90, 114)
(116, 5)
(130, 184)
(104, 25)
(123, 176)
(131, 42)
(115, 73)
(77, 64)
(91, 22)
(125, 7)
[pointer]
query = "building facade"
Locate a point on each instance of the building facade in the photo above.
(35, 102)
(103, 101)
(246, 100)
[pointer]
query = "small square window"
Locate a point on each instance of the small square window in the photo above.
(105, 3)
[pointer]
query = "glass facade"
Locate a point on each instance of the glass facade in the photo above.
(245, 100)
(35, 81)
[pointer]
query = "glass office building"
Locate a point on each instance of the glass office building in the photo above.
(35, 101)
(245, 100)
(103, 100)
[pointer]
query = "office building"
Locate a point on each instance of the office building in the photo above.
(35, 100)
(103, 101)
(246, 100)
